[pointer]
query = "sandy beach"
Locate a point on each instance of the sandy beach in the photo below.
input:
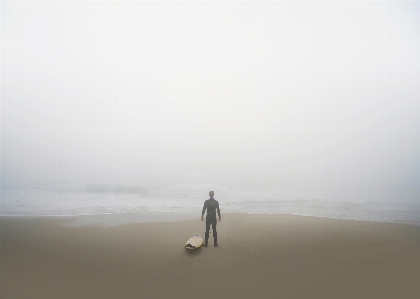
(259, 256)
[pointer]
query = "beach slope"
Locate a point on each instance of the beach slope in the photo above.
(259, 256)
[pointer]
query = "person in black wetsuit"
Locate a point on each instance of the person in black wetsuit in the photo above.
(212, 206)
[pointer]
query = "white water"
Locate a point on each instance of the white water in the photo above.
(94, 200)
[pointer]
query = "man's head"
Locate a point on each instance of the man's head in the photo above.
(211, 193)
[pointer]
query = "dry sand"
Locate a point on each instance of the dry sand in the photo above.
(259, 256)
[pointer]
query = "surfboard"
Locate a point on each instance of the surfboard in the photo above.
(194, 242)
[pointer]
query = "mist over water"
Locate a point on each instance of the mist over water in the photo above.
(304, 108)
(187, 200)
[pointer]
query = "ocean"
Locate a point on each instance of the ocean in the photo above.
(102, 199)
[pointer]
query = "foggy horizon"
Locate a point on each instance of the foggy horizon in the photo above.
(306, 97)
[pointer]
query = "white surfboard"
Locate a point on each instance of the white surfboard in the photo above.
(194, 242)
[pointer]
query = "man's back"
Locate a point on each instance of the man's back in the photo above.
(212, 206)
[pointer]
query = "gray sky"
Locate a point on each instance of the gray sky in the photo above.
(308, 96)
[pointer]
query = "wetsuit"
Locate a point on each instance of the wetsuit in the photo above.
(212, 206)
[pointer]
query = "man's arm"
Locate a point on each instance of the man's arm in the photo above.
(204, 210)
(218, 212)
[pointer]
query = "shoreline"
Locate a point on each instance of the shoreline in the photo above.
(122, 218)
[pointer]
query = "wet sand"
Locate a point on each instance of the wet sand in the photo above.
(259, 256)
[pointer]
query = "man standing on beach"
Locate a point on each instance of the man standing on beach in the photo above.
(211, 205)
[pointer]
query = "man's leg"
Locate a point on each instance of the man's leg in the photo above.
(206, 236)
(213, 226)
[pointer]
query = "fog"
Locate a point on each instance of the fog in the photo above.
(307, 97)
